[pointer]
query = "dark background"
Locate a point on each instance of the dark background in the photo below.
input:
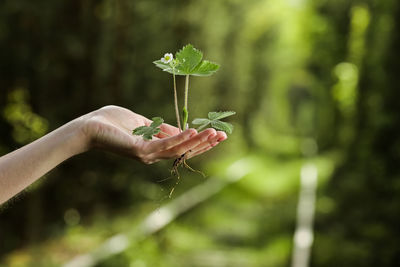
(310, 80)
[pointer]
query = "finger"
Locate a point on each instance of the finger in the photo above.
(193, 142)
(194, 154)
(221, 136)
(169, 142)
(167, 131)
(211, 141)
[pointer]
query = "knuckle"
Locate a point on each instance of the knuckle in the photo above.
(213, 131)
(192, 132)
(177, 152)
(163, 145)
(210, 131)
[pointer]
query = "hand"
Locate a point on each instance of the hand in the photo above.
(110, 128)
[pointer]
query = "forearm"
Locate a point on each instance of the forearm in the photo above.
(108, 128)
(24, 166)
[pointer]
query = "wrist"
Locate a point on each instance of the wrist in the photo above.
(84, 132)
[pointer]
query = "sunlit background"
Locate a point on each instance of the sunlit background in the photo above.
(309, 176)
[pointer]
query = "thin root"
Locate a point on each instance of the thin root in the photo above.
(181, 161)
(193, 170)
(165, 179)
(175, 171)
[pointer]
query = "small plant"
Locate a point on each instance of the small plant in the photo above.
(188, 61)
(148, 131)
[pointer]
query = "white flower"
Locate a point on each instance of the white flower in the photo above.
(168, 57)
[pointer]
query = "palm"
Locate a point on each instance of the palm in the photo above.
(112, 126)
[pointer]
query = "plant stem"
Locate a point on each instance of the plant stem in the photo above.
(178, 120)
(185, 118)
(185, 109)
(186, 90)
(165, 133)
(202, 127)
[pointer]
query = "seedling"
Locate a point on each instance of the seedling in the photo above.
(188, 61)
(149, 131)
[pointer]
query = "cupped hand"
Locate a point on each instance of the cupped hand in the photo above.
(110, 128)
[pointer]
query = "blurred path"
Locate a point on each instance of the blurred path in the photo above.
(161, 217)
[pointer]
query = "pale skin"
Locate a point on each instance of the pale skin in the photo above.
(109, 128)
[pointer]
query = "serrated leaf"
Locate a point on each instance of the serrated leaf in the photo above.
(161, 64)
(189, 58)
(189, 63)
(167, 68)
(140, 130)
(148, 131)
(156, 131)
(223, 126)
(157, 121)
(199, 121)
(220, 114)
(205, 68)
(147, 137)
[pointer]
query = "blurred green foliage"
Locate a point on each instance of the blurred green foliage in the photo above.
(27, 126)
(310, 80)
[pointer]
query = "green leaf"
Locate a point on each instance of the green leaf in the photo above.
(220, 115)
(200, 121)
(189, 58)
(214, 119)
(148, 136)
(157, 121)
(156, 131)
(168, 68)
(140, 130)
(205, 68)
(189, 63)
(223, 126)
(162, 65)
(148, 131)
